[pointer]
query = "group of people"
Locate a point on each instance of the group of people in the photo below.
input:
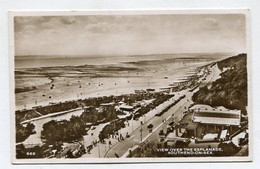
(127, 123)
(115, 135)
(118, 136)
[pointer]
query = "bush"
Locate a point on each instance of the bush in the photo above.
(22, 133)
(65, 131)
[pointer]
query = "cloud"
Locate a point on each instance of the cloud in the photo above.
(97, 28)
(29, 28)
(68, 20)
(47, 25)
(104, 27)
(107, 35)
(209, 24)
(240, 25)
(53, 23)
(21, 20)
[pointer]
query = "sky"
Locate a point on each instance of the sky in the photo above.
(129, 34)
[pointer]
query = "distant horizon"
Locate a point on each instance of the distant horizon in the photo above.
(127, 35)
(219, 53)
(54, 61)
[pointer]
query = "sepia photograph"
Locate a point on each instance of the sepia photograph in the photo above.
(130, 86)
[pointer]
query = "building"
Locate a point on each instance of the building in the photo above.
(105, 106)
(203, 119)
(216, 119)
(192, 129)
(125, 107)
(171, 140)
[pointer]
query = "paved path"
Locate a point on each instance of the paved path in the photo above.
(137, 136)
(134, 126)
(131, 128)
(120, 148)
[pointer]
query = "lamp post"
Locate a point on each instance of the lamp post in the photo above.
(132, 123)
(141, 133)
(98, 151)
(144, 118)
(173, 117)
(105, 148)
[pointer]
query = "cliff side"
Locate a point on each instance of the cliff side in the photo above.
(231, 89)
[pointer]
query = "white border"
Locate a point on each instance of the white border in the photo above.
(246, 12)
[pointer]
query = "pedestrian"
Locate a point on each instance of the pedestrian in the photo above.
(116, 155)
(121, 137)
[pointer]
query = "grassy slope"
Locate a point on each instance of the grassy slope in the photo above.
(230, 90)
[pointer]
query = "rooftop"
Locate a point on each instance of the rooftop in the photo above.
(187, 120)
(126, 107)
(209, 115)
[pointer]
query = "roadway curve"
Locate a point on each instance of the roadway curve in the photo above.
(120, 148)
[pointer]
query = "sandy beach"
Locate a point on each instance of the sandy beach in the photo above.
(63, 83)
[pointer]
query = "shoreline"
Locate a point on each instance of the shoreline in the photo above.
(98, 82)
(95, 95)
(200, 72)
(170, 86)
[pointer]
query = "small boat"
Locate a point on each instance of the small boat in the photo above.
(150, 90)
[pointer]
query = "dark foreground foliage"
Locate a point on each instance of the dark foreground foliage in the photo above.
(23, 132)
(65, 131)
